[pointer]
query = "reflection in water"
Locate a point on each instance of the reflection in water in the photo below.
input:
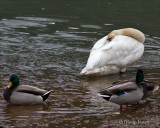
(47, 45)
(24, 115)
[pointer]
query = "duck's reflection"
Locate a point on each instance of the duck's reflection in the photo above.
(24, 115)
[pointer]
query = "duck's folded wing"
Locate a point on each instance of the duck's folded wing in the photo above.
(30, 89)
(123, 87)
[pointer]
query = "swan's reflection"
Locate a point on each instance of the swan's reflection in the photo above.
(95, 84)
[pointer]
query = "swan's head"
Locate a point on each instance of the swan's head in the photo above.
(112, 35)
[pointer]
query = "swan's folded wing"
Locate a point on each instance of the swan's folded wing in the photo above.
(30, 89)
(100, 43)
(99, 57)
(122, 87)
(94, 59)
(122, 51)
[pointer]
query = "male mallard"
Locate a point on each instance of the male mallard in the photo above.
(23, 94)
(129, 92)
(115, 52)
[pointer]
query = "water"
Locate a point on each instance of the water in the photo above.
(47, 43)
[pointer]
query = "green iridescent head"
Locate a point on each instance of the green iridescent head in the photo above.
(139, 76)
(14, 81)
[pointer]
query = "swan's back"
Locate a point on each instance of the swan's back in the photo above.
(110, 57)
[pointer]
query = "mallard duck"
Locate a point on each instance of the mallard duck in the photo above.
(115, 52)
(16, 94)
(129, 92)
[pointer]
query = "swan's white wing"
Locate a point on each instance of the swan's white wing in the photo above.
(118, 53)
(100, 43)
(125, 51)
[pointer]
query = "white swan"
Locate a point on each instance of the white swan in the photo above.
(115, 52)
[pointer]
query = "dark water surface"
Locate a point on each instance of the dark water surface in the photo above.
(47, 43)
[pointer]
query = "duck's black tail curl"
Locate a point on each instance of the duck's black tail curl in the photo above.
(45, 95)
(105, 94)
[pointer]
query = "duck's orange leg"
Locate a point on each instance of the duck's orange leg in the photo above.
(128, 107)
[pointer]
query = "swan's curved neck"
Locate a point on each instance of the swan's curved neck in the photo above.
(131, 32)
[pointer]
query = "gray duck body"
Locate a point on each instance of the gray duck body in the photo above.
(128, 92)
(16, 94)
